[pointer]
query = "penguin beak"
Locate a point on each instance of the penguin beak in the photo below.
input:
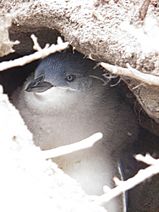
(38, 85)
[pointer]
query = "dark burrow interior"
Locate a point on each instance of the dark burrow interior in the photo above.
(142, 198)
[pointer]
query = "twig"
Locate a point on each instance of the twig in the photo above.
(36, 45)
(41, 53)
(67, 149)
(123, 186)
(132, 73)
(144, 8)
(148, 159)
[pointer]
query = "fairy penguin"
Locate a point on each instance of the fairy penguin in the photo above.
(66, 100)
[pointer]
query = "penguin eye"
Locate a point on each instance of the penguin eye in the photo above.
(38, 80)
(70, 77)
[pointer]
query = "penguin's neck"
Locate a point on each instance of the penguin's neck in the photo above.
(59, 101)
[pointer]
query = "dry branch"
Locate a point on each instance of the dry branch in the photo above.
(132, 73)
(148, 159)
(140, 177)
(144, 8)
(67, 149)
(41, 53)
